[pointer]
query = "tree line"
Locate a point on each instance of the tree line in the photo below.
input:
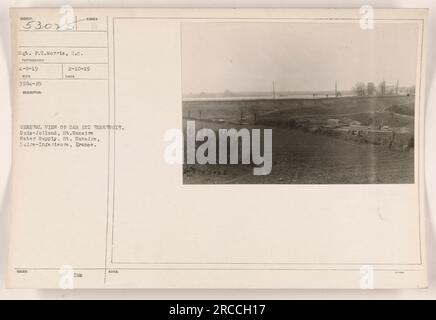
(371, 89)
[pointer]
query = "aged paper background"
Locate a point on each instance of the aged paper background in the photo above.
(128, 86)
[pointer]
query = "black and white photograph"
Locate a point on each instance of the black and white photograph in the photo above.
(218, 152)
(337, 98)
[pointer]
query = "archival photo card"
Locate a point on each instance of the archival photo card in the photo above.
(217, 148)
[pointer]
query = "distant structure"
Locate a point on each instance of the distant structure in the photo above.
(337, 93)
(355, 123)
(333, 123)
(274, 90)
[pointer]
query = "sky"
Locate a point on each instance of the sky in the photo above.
(248, 57)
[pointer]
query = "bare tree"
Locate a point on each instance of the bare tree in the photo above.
(382, 88)
(360, 89)
(370, 88)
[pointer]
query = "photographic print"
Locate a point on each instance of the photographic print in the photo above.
(299, 103)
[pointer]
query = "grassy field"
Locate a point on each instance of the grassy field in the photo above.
(391, 110)
(301, 157)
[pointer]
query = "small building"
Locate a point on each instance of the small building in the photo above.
(333, 123)
(359, 127)
(316, 122)
(358, 130)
